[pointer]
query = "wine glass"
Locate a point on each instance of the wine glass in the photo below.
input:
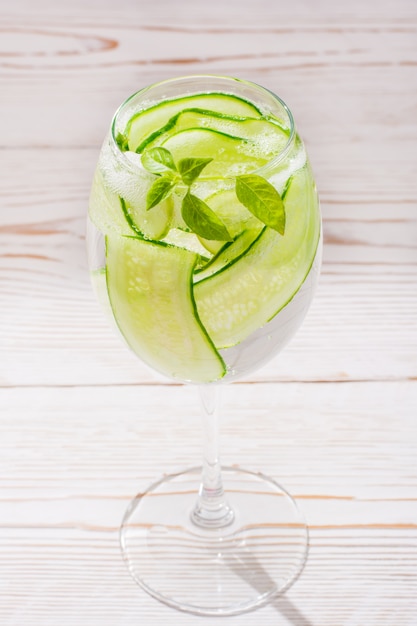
(204, 241)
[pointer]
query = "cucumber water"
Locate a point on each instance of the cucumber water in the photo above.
(202, 287)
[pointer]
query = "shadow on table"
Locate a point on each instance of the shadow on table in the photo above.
(290, 612)
(249, 569)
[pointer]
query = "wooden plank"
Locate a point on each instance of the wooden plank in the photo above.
(100, 58)
(299, 14)
(69, 576)
(71, 459)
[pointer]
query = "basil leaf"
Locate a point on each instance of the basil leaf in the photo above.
(158, 161)
(202, 220)
(262, 199)
(190, 168)
(160, 189)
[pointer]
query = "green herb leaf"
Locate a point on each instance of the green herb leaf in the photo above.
(122, 141)
(190, 168)
(202, 220)
(160, 189)
(262, 199)
(158, 161)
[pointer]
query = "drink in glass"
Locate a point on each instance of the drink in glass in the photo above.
(204, 246)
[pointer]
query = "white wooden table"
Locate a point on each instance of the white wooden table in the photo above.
(84, 427)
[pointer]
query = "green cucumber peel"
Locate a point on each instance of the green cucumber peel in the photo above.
(174, 119)
(129, 218)
(250, 109)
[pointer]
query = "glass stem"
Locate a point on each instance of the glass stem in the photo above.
(211, 510)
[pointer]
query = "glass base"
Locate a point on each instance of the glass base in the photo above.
(214, 571)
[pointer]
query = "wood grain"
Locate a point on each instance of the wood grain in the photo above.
(349, 459)
(84, 426)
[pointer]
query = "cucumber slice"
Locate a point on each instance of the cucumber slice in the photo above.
(188, 241)
(150, 291)
(153, 224)
(111, 213)
(211, 245)
(231, 155)
(173, 122)
(272, 137)
(248, 293)
(144, 123)
(229, 254)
